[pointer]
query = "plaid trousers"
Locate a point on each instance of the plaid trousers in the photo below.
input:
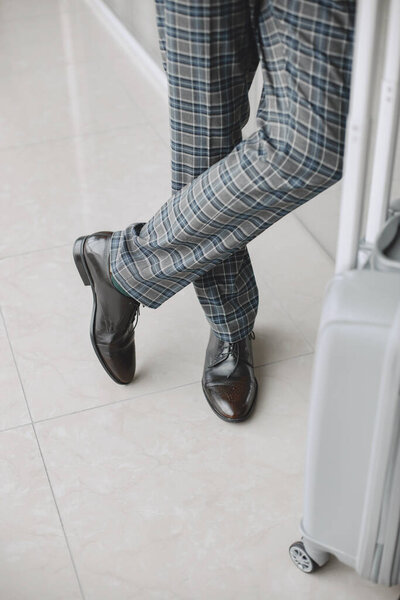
(225, 190)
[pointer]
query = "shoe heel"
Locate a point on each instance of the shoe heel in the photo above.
(79, 260)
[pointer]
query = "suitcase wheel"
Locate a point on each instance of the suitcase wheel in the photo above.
(301, 559)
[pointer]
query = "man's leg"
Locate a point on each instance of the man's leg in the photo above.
(296, 153)
(210, 56)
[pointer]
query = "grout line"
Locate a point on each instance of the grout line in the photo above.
(16, 368)
(15, 427)
(28, 252)
(115, 402)
(314, 237)
(43, 460)
(154, 392)
(280, 360)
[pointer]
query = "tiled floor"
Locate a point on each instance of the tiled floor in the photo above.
(137, 492)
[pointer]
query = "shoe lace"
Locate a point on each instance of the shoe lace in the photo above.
(233, 350)
(136, 318)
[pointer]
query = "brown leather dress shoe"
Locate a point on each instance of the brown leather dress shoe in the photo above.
(112, 328)
(229, 384)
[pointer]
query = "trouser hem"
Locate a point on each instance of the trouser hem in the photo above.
(139, 290)
(226, 337)
(135, 287)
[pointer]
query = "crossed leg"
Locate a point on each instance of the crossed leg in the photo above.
(210, 56)
(227, 191)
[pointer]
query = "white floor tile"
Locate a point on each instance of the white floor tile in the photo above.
(35, 562)
(151, 101)
(396, 188)
(64, 101)
(292, 264)
(321, 218)
(47, 311)
(161, 499)
(53, 39)
(10, 10)
(321, 214)
(170, 501)
(59, 190)
(13, 410)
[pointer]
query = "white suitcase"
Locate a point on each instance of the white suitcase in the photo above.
(352, 482)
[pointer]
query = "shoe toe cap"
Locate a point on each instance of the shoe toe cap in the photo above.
(120, 364)
(233, 401)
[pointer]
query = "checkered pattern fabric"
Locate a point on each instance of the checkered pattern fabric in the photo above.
(226, 190)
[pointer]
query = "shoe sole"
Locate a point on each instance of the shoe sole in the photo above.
(227, 419)
(83, 270)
